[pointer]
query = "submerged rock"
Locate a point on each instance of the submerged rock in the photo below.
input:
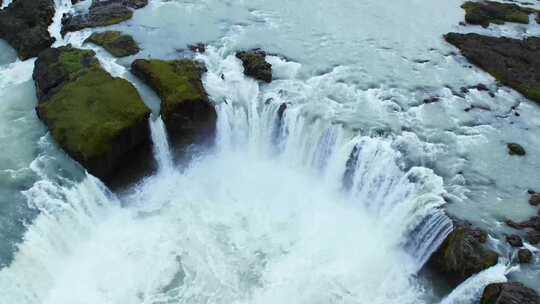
(509, 293)
(463, 254)
(102, 13)
(24, 25)
(485, 12)
(255, 64)
(97, 119)
(185, 108)
(513, 62)
(525, 256)
(116, 43)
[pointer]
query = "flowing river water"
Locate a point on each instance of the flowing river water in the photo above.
(338, 199)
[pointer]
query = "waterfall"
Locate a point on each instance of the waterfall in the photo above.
(162, 152)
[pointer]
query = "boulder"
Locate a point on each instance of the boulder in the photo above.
(115, 42)
(188, 114)
(462, 254)
(509, 293)
(485, 12)
(24, 25)
(534, 200)
(255, 65)
(516, 149)
(513, 62)
(102, 13)
(533, 237)
(99, 120)
(514, 240)
(524, 256)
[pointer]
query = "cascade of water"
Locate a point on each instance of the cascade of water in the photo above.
(162, 152)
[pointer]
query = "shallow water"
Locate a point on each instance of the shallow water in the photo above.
(263, 217)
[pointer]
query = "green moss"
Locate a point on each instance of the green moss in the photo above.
(486, 12)
(115, 42)
(175, 82)
(88, 113)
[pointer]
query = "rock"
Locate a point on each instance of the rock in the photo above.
(534, 200)
(485, 12)
(514, 240)
(533, 222)
(102, 13)
(515, 149)
(524, 256)
(99, 120)
(533, 237)
(509, 293)
(462, 254)
(185, 108)
(115, 42)
(255, 65)
(513, 62)
(24, 25)
(197, 48)
(432, 99)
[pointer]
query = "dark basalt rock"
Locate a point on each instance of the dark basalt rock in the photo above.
(525, 256)
(102, 13)
(514, 240)
(509, 293)
(99, 120)
(24, 25)
(534, 200)
(462, 254)
(516, 149)
(485, 12)
(185, 108)
(116, 43)
(255, 64)
(513, 62)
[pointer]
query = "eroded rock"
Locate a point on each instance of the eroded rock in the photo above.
(97, 119)
(485, 12)
(255, 65)
(102, 13)
(185, 108)
(513, 62)
(24, 25)
(116, 43)
(463, 254)
(509, 293)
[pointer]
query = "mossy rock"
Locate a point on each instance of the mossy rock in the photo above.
(96, 118)
(463, 254)
(516, 149)
(485, 12)
(116, 43)
(185, 108)
(255, 65)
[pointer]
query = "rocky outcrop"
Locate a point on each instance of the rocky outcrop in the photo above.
(513, 62)
(509, 293)
(24, 25)
(255, 64)
(462, 254)
(102, 13)
(485, 12)
(185, 108)
(116, 43)
(99, 120)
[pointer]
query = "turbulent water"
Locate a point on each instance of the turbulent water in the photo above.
(337, 199)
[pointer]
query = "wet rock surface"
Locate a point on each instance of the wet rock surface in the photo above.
(102, 13)
(462, 254)
(486, 12)
(509, 293)
(514, 240)
(255, 65)
(99, 120)
(24, 25)
(185, 108)
(116, 43)
(513, 62)
(525, 256)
